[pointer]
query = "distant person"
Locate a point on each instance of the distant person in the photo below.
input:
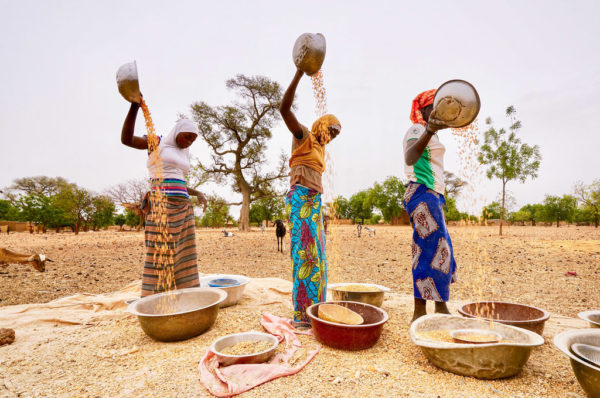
(169, 180)
(433, 264)
(303, 201)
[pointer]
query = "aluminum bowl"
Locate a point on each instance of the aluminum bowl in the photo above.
(234, 293)
(349, 337)
(593, 317)
(128, 83)
(587, 374)
(373, 298)
(457, 103)
(483, 361)
(194, 311)
(235, 338)
(309, 52)
(523, 316)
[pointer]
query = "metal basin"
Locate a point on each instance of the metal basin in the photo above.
(373, 298)
(178, 315)
(483, 361)
(309, 52)
(349, 337)
(234, 293)
(457, 103)
(587, 374)
(128, 83)
(523, 316)
(593, 317)
(233, 339)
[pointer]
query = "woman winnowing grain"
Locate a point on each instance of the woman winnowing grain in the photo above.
(433, 264)
(303, 203)
(169, 184)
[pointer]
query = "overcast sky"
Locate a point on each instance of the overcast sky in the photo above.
(61, 113)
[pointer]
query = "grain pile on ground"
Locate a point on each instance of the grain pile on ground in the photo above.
(109, 355)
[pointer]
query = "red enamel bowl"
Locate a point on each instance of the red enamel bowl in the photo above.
(349, 337)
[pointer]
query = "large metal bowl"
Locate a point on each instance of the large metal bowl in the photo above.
(483, 361)
(232, 339)
(349, 337)
(457, 103)
(521, 315)
(128, 83)
(234, 293)
(309, 52)
(592, 317)
(373, 298)
(587, 374)
(180, 314)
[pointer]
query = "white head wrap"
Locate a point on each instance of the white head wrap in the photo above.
(175, 161)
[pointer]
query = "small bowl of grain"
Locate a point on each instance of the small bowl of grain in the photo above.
(244, 348)
(368, 293)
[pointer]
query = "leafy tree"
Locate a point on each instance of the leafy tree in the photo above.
(507, 157)
(77, 205)
(237, 135)
(375, 219)
(534, 212)
(559, 209)
(342, 206)
(8, 211)
(360, 206)
(268, 209)
(491, 211)
(589, 196)
(217, 212)
(452, 213)
(101, 215)
(120, 220)
(40, 185)
(132, 218)
(387, 197)
(584, 215)
(39, 209)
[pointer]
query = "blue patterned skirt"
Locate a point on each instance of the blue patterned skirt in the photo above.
(433, 264)
(309, 266)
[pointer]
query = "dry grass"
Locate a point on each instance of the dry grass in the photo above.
(115, 358)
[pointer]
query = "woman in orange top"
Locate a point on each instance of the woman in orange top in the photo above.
(303, 203)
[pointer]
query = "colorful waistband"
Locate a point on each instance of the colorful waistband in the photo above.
(171, 187)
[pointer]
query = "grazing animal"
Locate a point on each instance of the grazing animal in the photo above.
(37, 261)
(359, 229)
(280, 233)
(371, 231)
(227, 234)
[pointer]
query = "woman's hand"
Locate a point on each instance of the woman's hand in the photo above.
(202, 200)
(434, 124)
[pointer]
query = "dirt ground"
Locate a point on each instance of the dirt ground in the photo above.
(525, 265)
(113, 357)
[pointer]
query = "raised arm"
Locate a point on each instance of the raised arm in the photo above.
(415, 148)
(286, 107)
(127, 137)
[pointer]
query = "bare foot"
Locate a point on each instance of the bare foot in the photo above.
(420, 309)
(441, 308)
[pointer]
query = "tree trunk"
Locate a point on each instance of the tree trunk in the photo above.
(244, 222)
(502, 209)
(557, 222)
(596, 220)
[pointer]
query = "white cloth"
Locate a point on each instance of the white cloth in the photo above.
(174, 161)
(429, 169)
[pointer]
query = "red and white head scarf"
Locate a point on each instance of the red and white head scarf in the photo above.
(420, 102)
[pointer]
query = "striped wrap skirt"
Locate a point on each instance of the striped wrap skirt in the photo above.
(170, 237)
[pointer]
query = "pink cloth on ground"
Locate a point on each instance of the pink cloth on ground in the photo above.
(235, 379)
